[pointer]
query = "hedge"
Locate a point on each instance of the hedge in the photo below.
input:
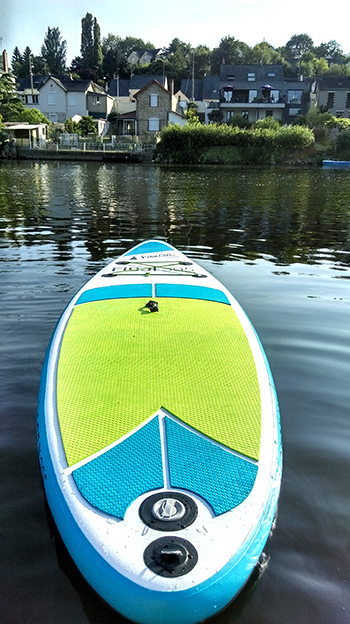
(190, 143)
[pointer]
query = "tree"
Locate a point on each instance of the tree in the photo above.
(87, 41)
(91, 49)
(12, 107)
(87, 125)
(98, 56)
(54, 51)
(202, 60)
(16, 61)
(298, 45)
(10, 104)
(230, 51)
(112, 56)
(263, 53)
(331, 51)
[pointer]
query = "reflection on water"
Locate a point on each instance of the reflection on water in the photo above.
(284, 216)
(279, 240)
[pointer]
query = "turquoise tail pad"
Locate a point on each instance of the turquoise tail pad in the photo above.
(113, 480)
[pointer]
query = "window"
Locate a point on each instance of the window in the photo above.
(153, 124)
(330, 99)
(51, 98)
(31, 99)
(274, 95)
(72, 99)
(253, 93)
(154, 100)
(251, 77)
(294, 96)
(96, 100)
(347, 103)
(293, 112)
(271, 74)
(53, 117)
(269, 113)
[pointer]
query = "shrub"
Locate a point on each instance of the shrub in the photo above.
(258, 145)
(342, 144)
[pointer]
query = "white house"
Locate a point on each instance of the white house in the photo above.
(61, 98)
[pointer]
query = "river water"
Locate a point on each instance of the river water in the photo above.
(280, 242)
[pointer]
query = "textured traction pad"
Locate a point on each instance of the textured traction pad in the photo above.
(119, 364)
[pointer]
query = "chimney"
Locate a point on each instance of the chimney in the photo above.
(5, 62)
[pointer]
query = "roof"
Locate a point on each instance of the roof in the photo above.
(24, 126)
(65, 82)
(334, 82)
(149, 84)
(204, 88)
(135, 83)
(240, 72)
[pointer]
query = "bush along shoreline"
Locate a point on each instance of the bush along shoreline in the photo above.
(309, 140)
(263, 144)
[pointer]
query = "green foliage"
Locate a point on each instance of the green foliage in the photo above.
(268, 122)
(33, 116)
(342, 145)
(258, 145)
(239, 121)
(87, 125)
(54, 51)
(91, 49)
(11, 107)
(233, 52)
(298, 45)
(71, 126)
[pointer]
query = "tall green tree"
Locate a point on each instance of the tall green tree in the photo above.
(16, 61)
(98, 56)
(91, 48)
(87, 41)
(54, 51)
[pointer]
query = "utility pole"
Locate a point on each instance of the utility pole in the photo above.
(192, 98)
(31, 77)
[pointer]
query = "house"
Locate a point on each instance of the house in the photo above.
(259, 91)
(143, 57)
(333, 94)
(123, 91)
(253, 91)
(205, 92)
(60, 98)
(156, 107)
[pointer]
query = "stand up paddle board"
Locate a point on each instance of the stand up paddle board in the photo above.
(159, 437)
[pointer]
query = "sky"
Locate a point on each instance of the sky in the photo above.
(25, 22)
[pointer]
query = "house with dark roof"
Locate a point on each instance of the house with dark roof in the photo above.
(205, 92)
(60, 98)
(333, 94)
(259, 91)
(253, 91)
(123, 90)
(156, 107)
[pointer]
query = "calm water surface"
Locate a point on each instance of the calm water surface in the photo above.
(280, 241)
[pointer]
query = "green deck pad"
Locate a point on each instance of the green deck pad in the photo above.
(119, 363)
